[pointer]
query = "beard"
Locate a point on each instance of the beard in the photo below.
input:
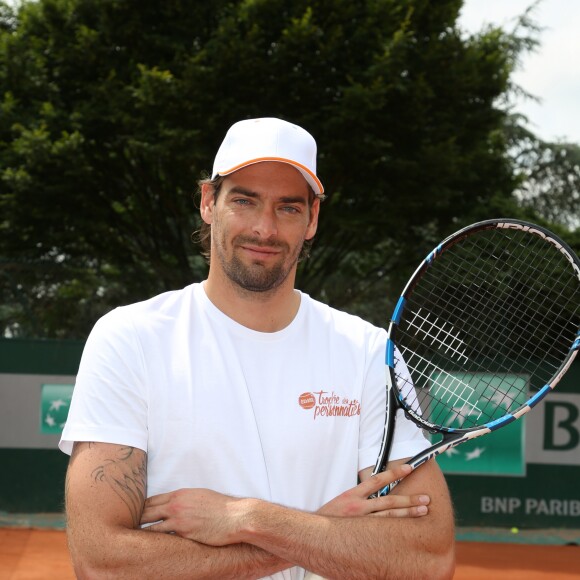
(256, 276)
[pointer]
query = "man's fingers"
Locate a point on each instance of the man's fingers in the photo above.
(410, 512)
(400, 506)
(360, 500)
(387, 502)
(380, 480)
(159, 499)
(152, 514)
(394, 502)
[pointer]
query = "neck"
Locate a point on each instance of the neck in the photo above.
(261, 311)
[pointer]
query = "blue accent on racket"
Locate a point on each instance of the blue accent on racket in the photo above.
(390, 354)
(539, 396)
(399, 310)
(493, 425)
(429, 259)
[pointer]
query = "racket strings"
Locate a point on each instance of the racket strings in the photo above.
(483, 309)
(510, 314)
(531, 294)
(458, 390)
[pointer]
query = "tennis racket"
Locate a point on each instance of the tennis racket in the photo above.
(485, 328)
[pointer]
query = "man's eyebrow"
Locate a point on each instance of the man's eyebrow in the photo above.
(254, 194)
(243, 191)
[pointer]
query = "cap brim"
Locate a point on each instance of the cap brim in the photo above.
(310, 177)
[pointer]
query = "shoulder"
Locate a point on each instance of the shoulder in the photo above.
(149, 315)
(344, 324)
(163, 305)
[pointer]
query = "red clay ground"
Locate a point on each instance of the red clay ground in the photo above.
(40, 554)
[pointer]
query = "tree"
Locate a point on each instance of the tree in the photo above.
(548, 180)
(111, 110)
(550, 174)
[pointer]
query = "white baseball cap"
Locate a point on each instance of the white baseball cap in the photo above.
(268, 139)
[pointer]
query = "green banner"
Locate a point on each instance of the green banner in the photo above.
(54, 405)
(464, 397)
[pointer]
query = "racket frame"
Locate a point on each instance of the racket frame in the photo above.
(455, 436)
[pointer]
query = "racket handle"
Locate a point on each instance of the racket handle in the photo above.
(385, 490)
(388, 488)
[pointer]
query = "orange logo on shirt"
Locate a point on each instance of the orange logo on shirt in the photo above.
(306, 400)
(327, 404)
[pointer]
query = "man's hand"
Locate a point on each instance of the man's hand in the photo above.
(215, 519)
(202, 515)
(355, 502)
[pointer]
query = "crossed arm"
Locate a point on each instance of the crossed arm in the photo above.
(204, 534)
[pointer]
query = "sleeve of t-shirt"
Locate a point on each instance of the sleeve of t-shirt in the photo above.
(408, 439)
(109, 402)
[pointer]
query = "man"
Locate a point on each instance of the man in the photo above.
(244, 411)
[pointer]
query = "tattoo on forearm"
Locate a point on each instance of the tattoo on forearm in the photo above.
(128, 481)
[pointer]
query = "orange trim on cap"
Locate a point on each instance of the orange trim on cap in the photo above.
(279, 159)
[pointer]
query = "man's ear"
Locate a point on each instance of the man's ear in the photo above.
(207, 203)
(313, 222)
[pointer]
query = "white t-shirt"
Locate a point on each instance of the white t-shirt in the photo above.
(289, 417)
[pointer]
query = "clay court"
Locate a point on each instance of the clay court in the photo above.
(41, 554)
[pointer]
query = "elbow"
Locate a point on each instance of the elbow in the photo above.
(83, 567)
(84, 572)
(103, 560)
(442, 565)
(435, 561)
(446, 570)
(88, 570)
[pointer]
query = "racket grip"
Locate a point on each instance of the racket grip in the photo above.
(388, 488)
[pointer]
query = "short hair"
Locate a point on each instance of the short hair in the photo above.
(202, 236)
